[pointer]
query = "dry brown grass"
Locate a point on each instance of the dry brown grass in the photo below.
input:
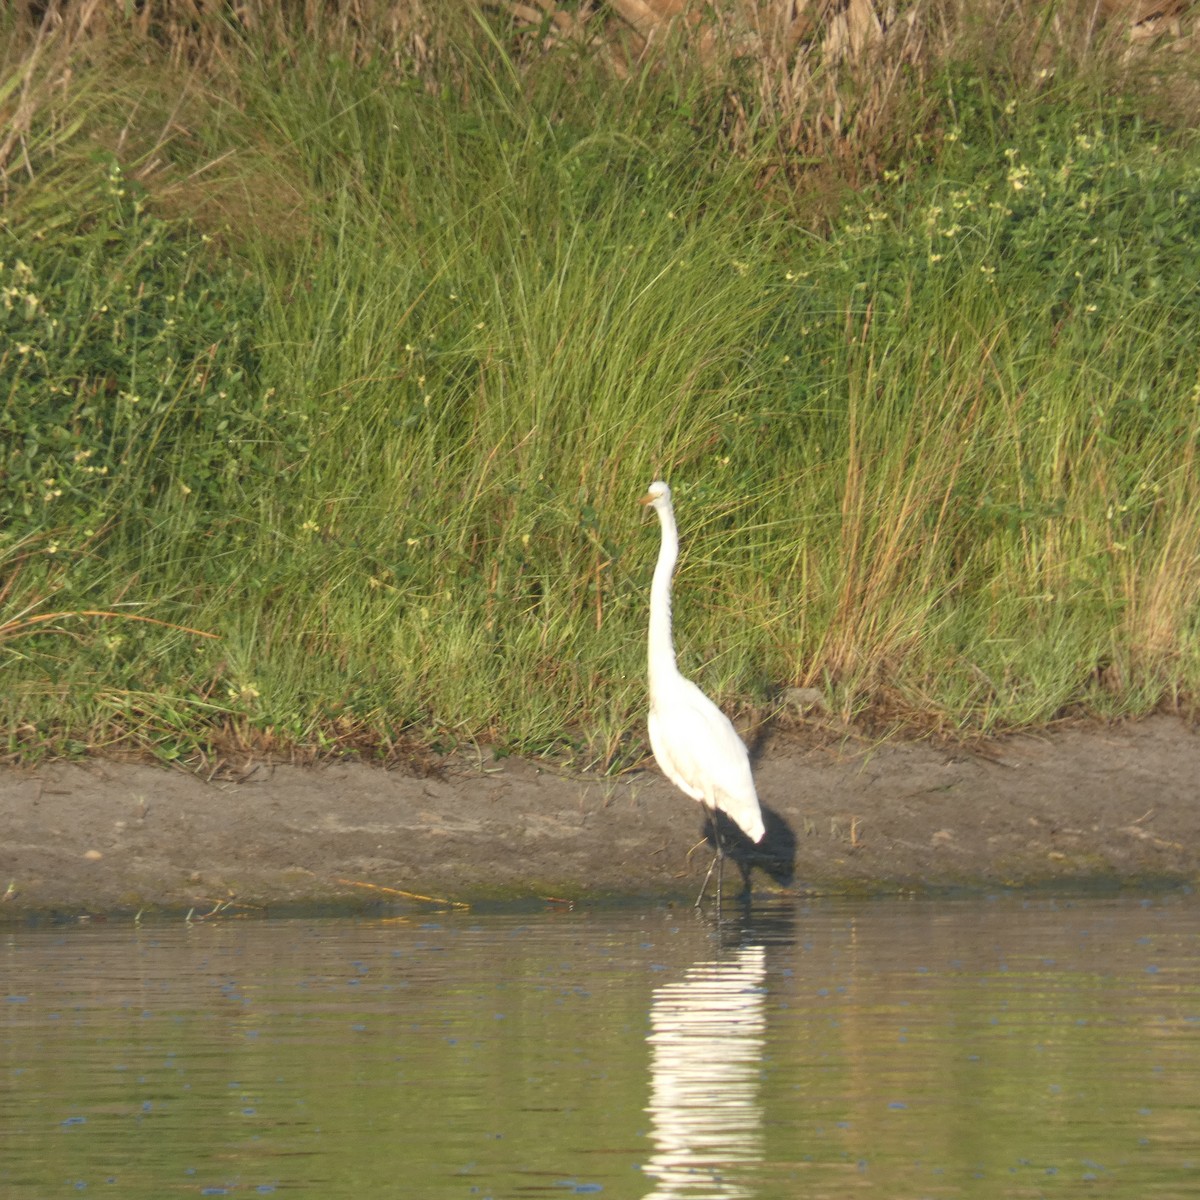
(831, 78)
(828, 78)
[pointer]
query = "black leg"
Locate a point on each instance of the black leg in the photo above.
(704, 885)
(720, 868)
(718, 862)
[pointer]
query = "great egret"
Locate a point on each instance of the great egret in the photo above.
(694, 742)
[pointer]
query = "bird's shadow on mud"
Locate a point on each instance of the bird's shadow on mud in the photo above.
(775, 854)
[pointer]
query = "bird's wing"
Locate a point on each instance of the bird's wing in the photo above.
(700, 752)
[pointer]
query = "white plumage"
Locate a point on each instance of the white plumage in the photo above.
(694, 742)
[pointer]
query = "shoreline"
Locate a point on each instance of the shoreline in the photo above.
(1109, 806)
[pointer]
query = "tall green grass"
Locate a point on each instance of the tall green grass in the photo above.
(378, 414)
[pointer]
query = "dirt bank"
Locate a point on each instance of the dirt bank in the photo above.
(1114, 804)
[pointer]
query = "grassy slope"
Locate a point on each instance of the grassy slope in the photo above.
(378, 414)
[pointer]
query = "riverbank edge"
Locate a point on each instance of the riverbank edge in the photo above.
(1070, 809)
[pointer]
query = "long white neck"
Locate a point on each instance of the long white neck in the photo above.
(662, 649)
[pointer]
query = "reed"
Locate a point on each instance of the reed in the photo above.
(360, 361)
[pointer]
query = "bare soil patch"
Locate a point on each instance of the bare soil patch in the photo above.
(1113, 805)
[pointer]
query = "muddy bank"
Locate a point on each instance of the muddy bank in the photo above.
(1114, 805)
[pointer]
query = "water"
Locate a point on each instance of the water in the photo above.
(981, 1048)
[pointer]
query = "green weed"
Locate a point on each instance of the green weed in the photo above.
(377, 412)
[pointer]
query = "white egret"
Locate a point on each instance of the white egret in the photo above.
(694, 742)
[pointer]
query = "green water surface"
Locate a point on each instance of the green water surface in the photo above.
(995, 1047)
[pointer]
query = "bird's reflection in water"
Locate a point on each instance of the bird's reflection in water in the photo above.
(706, 1051)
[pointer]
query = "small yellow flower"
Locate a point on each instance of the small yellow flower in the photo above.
(1018, 177)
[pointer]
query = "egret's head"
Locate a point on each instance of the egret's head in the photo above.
(657, 494)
